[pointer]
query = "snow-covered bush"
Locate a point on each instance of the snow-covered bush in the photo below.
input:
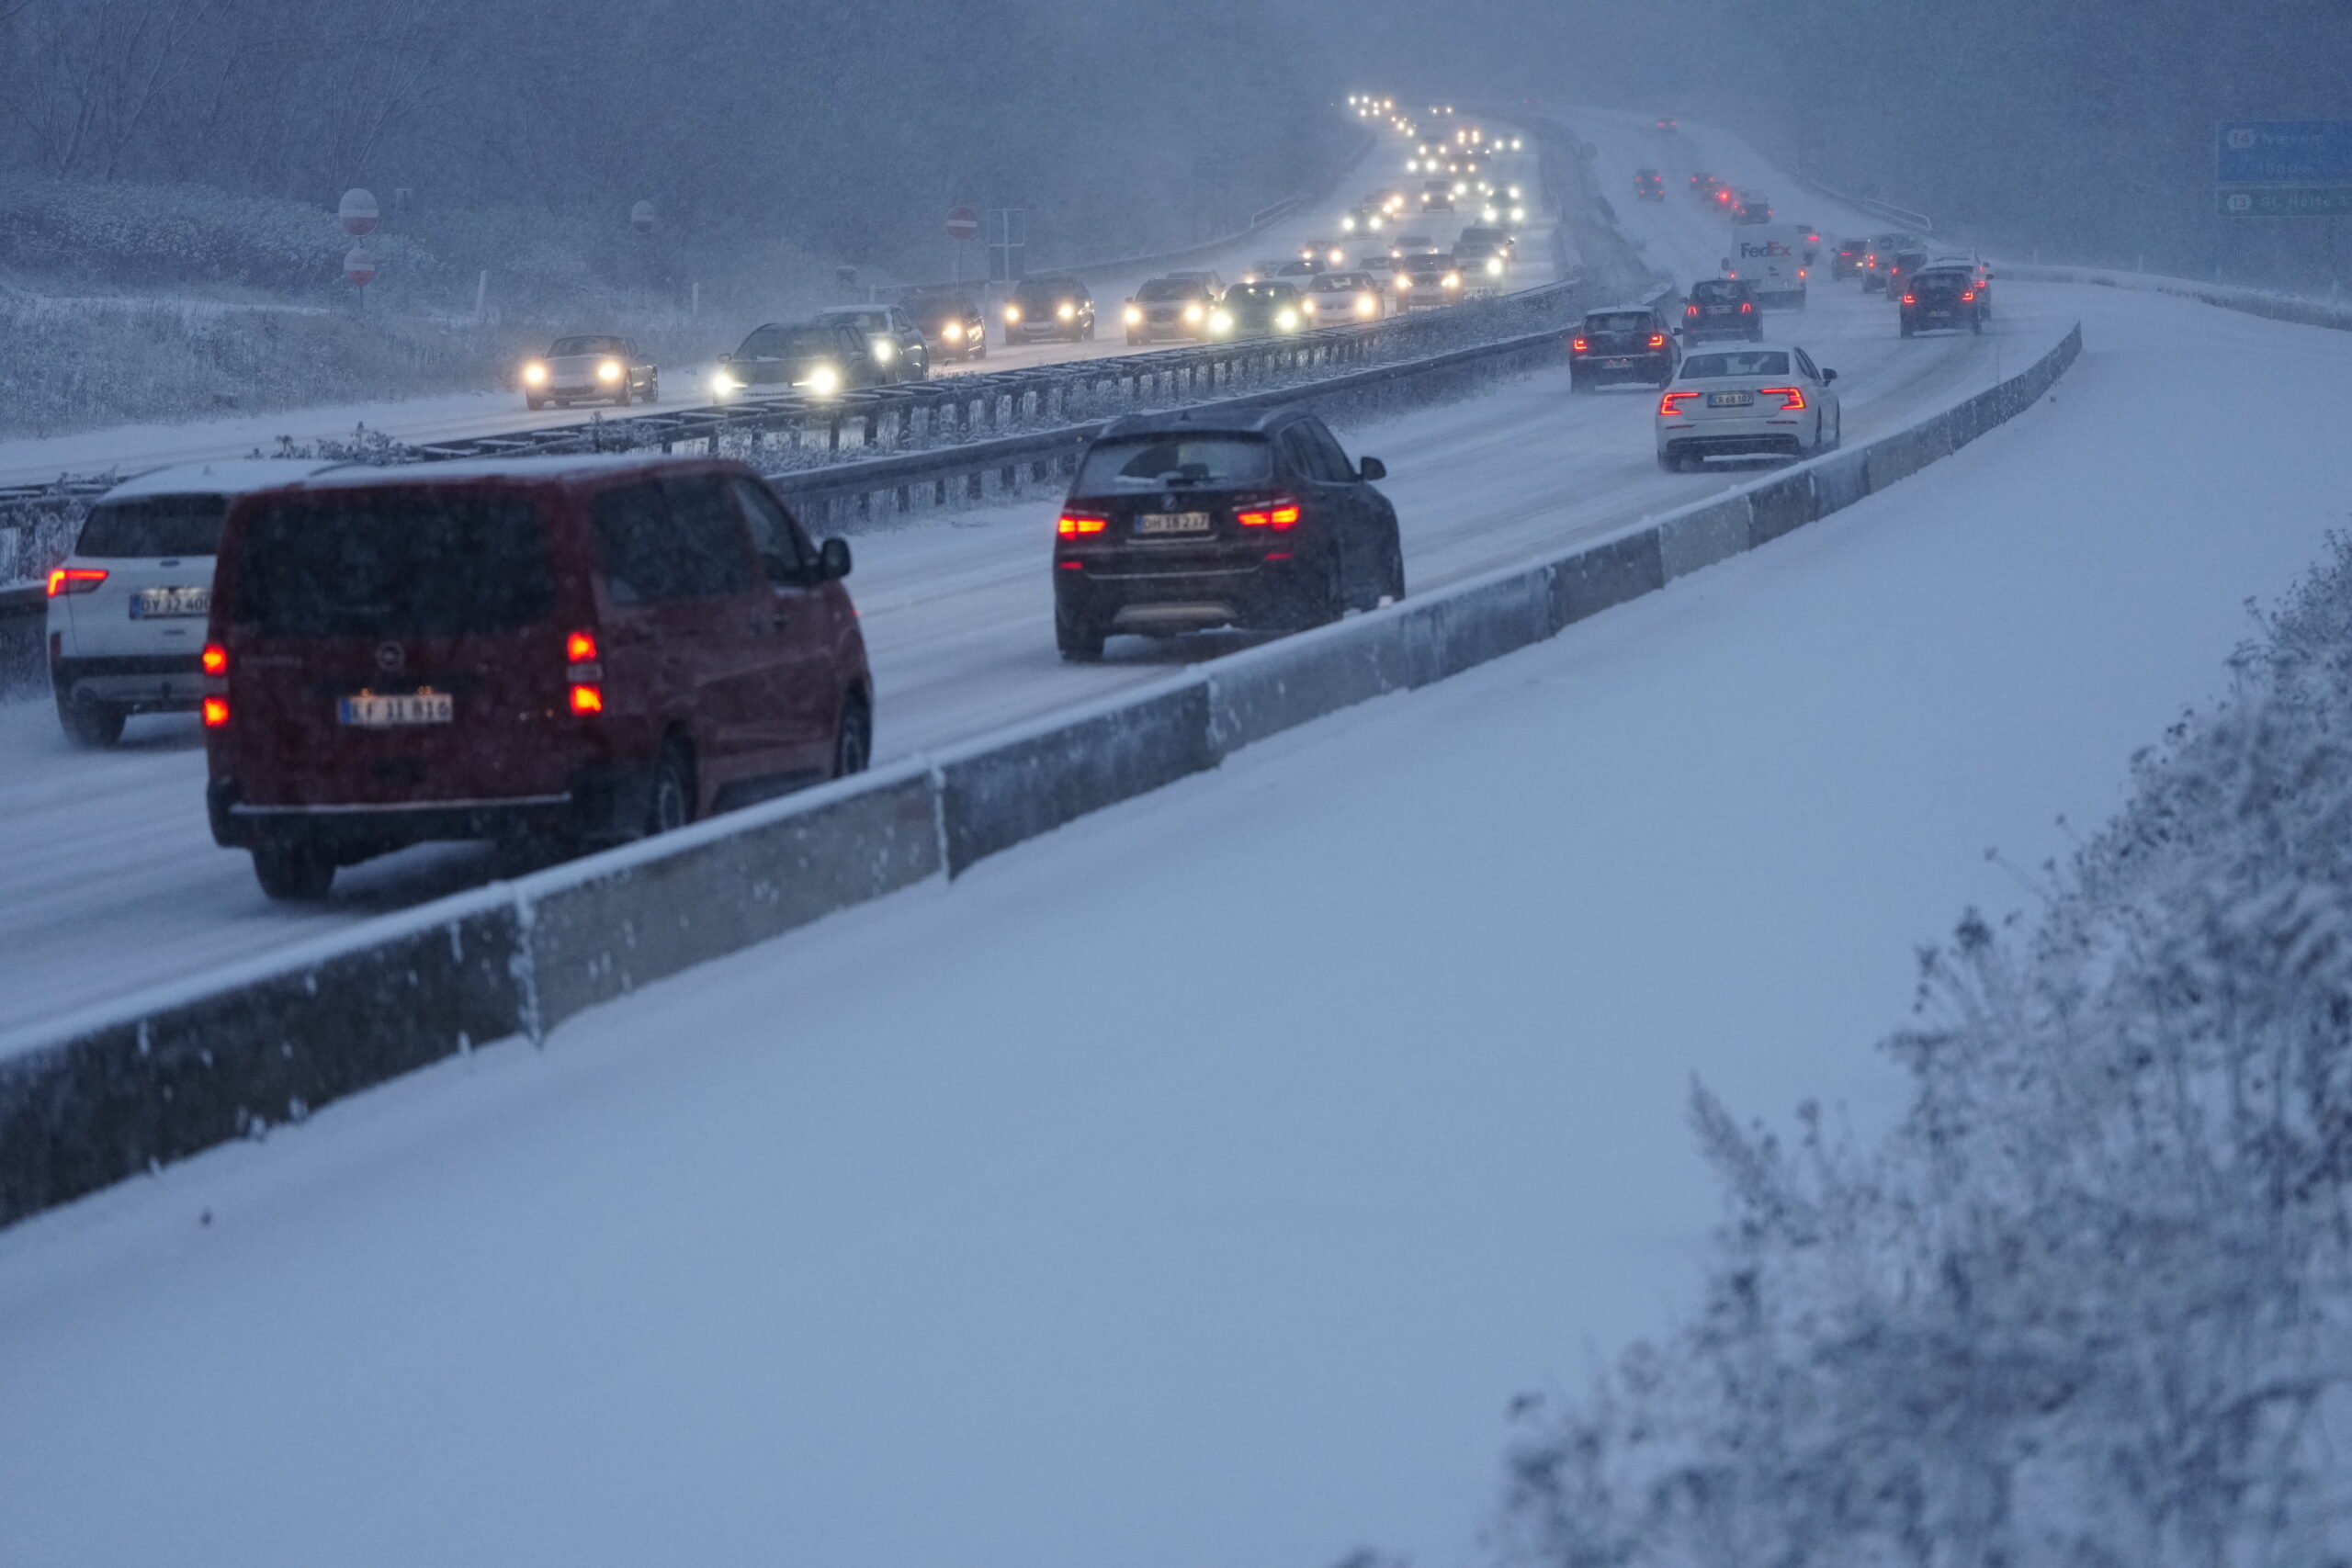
(2090, 1304)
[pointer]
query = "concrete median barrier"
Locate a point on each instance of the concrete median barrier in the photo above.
(1839, 481)
(1605, 574)
(1701, 535)
(1283, 685)
(1478, 621)
(1779, 506)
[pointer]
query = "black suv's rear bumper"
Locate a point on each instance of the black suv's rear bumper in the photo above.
(1647, 365)
(1108, 594)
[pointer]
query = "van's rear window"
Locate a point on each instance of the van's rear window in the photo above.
(374, 563)
(156, 525)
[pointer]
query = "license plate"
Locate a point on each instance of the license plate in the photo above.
(1730, 399)
(1617, 365)
(167, 604)
(1172, 523)
(370, 711)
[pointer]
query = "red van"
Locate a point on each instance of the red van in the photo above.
(581, 649)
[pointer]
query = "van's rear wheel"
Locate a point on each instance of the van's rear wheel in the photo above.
(94, 725)
(673, 791)
(293, 870)
(853, 738)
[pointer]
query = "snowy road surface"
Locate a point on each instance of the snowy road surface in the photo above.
(118, 883)
(1198, 1183)
(464, 415)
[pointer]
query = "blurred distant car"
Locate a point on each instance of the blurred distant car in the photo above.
(1380, 263)
(1176, 305)
(1941, 295)
(1703, 185)
(1049, 307)
(1649, 186)
(818, 359)
(1364, 220)
(897, 344)
(1846, 260)
(1489, 234)
(1881, 255)
(1900, 267)
(127, 606)
(951, 324)
(1335, 299)
(1301, 270)
(1437, 196)
(1721, 307)
(1410, 245)
(1428, 282)
(1263, 269)
(1751, 206)
(1244, 517)
(1746, 402)
(1483, 265)
(1626, 343)
(1506, 205)
(1324, 254)
(1725, 199)
(1272, 309)
(1666, 124)
(583, 369)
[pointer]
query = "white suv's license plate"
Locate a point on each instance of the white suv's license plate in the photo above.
(1730, 399)
(370, 711)
(1172, 523)
(167, 604)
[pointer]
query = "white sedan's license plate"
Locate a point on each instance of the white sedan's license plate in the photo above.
(370, 711)
(1730, 399)
(165, 603)
(1172, 523)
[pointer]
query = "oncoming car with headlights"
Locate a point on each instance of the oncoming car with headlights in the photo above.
(1192, 519)
(1427, 283)
(1485, 267)
(1761, 400)
(1049, 307)
(1335, 299)
(1176, 305)
(1272, 309)
(1505, 205)
(582, 369)
(892, 338)
(952, 325)
(818, 359)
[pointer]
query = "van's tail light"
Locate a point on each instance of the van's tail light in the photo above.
(1746, 309)
(1671, 404)
(585, 672)
(65, 579)
(214, 659)
(1910, 299)
(1580, 345)
(1275, 514)
(1689, 309)
(216, 713)
(1658, 340)
(1074, 522)
(1790, 398)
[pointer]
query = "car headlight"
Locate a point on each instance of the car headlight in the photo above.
(1346, 225)
(1134, 315)
(1405, 281)
(1309, 306)
(608, 370)
(1338, 257)
(885, 351)
(722, 383)
(1375, 225)
(952, 331)
(1011, 315)
(1066, 311)
(1487, 215)
(1515, 193)
(1494, 266)
(1367, 305)
(824, 381)
(1220, 323)
(1453, 280)
(1192, 314)
(535, 373)
(1286, 319)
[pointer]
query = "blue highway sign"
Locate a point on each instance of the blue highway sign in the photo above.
(2283, 152)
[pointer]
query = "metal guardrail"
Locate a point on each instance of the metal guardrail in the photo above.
(1918, 221)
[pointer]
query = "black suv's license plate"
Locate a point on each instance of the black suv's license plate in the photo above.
(1172, 523)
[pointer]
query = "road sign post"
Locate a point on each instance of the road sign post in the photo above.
(963, 226)
(1008, 245)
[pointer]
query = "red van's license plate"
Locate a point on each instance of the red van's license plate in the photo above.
(368, 711)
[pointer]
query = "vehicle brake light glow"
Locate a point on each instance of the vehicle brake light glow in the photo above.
(587, 699)
(214, 659)
(1746, 309)
(1910, 299)
(1277, 515)
(1671, 404)
(1081, 523)
(216, 713)
(65, 579)
(580, 648)
(1691, 310)
(1792, 398)
(1967, 295)
(1658, 340)
(1580, 345)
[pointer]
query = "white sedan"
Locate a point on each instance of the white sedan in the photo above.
(1755, 400)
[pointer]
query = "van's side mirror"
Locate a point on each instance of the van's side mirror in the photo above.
(1827, 377)
(833, 560)
(1371, 469)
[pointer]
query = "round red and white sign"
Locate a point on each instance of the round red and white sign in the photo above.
(963, 223)
(359, 266)
(640, 218)
(357, 211)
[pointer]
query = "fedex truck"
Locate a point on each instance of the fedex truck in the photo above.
(1771, 258)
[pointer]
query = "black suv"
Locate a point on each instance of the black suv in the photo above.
(952, 324)
(1649, 185)
(1722, 307)
(1192, 519)
(1049, 307)
(1630, 343)
(1942, 297)
(817, 358)
(1272, 309)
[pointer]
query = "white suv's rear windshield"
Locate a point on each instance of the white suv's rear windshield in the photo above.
(1761, 362)
(371, 564)
(155, 526)
(1150, 462)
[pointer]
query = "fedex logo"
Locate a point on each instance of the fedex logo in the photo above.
(1755, 250)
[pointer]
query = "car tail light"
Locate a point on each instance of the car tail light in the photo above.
(1910, 299)
(585, 672)
(1658, 340)
(214, 659)
(1671, 404)
(65, 580)
(1275, 514)
(1081, 523)
(587, 699)
(1967, 295)
(1803, 271)
(1689, 309)
(1792, 398)
(580, 648)
(216, 713)
(1747, 308)
(1580, 345)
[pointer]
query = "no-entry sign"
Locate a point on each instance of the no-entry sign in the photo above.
(963, 223)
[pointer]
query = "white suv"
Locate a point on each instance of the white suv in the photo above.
(126, 609)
